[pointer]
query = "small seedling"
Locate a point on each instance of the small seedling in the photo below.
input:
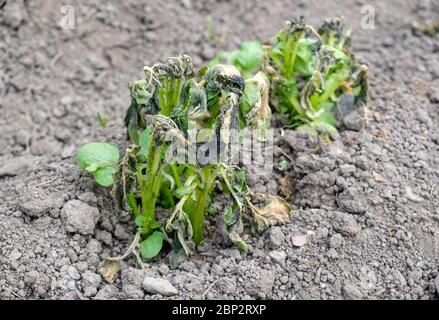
(283, 165)
(103, 121)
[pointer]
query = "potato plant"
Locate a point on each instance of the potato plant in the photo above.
(309, 70)
(169, 199)
(301, 73)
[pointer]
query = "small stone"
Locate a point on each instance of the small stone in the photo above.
(120, 232)
(226, 285)
(336, 241)
(71, 272)
(105, 237)
(345, 224)
(261, 286)
(433, 94)
(13, 14)
(332, 254)
(351, 201)
(163, 269)
(351, 292)
(94, 246)
(42, 223)
(355, 120)
(159, 286)
(363, 163)
(415, 276)
(90, 283)
(80, 217)
(132, 282)
(89, 198)
(412, 196)
(399, 278)
(276, 237)
(186, 3)
(299, 240)
(14, 255)
(108, 292)
(37, 207)
(278, 256)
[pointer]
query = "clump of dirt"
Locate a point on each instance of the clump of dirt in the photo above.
(365, 220)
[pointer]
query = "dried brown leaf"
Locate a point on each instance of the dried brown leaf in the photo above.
(109, 270)
(270, 211)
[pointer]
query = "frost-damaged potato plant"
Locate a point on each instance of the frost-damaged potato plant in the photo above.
(169, 198)
(309, 70)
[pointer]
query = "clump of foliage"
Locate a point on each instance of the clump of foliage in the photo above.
(301, 73)
(168, 198)
(309, 71)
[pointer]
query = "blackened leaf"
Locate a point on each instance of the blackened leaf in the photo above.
(132, 122)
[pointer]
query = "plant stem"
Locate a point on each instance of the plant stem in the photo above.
(149, 192)
(176, 175)
(197, 216)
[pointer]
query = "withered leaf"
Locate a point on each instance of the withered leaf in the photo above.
(270, 211)
(110, 269)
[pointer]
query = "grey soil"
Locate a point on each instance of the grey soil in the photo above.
(366, 204)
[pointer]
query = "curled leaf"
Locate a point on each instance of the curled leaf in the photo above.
(268, 211)
(258, 113)
(224, 77)
(166, 131)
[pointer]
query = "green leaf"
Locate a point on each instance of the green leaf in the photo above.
(100, 159)
(105, 176)
(246, 59)
(151, 246)
(250, 97)
(249, 55)
(304, 64)
(283, 165)
(139, 221)
(139, 91)
(102, 120)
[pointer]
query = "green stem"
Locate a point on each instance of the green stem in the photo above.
(151, 188)
(197, 215)
(176, 175)
(292, 57)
